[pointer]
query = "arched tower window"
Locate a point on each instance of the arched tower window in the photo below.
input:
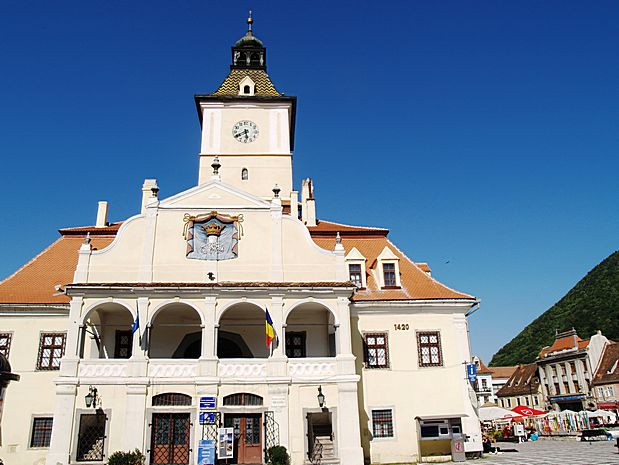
(243, 398)
(247, 90)
(244, 172)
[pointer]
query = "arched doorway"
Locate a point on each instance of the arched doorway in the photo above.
(248, 433)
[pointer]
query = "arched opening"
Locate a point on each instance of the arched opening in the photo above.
(247, 90)
(241, 332)
(106, 332)
(169, 399)
(243, 398)
(310, 332)
(255, 59)
(244, 172)
(176, 333)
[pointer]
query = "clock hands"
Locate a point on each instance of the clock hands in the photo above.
(240, 134)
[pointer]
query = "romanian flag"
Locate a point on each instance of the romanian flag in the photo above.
(270, 330)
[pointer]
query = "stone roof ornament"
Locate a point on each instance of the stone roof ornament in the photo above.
(250, 21)
(276, 191)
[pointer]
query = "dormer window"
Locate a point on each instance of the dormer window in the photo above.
(356, 268)
(244, 174)
(387, 270)
(247, 86)
(389, 274)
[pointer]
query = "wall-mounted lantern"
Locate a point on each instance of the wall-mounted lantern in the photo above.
(321, 397)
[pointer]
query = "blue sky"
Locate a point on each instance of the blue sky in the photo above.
(482, 134)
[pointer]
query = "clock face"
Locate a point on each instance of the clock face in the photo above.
(245, 131)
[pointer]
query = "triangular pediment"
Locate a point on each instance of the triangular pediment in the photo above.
(214, 195)
(354, 254)
(387, 254)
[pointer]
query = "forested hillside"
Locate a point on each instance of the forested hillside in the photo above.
(592, 304)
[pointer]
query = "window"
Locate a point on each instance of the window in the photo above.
(601, 391)
(243, 398)
(429, 349)
(389, 274)
(484, 384)
(41, 431)
(171, 399)
(376, 353)
(429, 431)
(535, 400)
(295, 344)
(91, 437)
(509, 403)
(576, 386)
(124, 344)
(51, 350)
(573, 367)
(5, 344)
(610, 391)
(244, 172)
(247, 90)
(354, 270)
(382, 423)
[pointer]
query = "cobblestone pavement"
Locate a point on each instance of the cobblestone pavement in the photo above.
(549, 452)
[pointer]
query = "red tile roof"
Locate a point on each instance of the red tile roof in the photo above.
(563, 343)
(608, 371)
(503, 372)
(416, 283)
(34, 282)
(524, 381)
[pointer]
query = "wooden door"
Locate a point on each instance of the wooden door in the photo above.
(170, 439)
(247, 436)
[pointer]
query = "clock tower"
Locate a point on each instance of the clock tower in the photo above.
(248, 124)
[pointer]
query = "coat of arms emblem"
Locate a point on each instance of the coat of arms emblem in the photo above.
(213, 236)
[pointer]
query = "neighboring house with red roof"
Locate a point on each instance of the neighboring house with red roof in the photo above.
(522, 388)
(606, 380)
(566, 369)
(489, 381)
(125, 335)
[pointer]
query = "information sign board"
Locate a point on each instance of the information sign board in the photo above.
(471, 372)
(206, 452)
(208, 402)
(225, 443)
(207, 418)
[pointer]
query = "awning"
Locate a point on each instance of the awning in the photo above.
(441, 417)
(608, 405)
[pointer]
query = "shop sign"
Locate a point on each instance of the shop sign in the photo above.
(208, 402)
(206, 452)
(225, 438)
(572, 397)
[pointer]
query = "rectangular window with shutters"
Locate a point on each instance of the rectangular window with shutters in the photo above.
(354, 271)
(41, 431)
(389, 274)
(5, 344)
(376, 350)
(382, 423)
(51, 350)
(295, 344)
(124, 344)
(429, 349)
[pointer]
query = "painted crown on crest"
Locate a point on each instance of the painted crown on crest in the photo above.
(213, 229)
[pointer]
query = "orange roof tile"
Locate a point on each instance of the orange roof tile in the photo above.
(483, 369)
(416, 284)
(503, 372)
(34, 282)
(608, 371)
(564, 343)
(523, 381)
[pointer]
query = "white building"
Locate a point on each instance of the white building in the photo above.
(356, 318)
(490, 380)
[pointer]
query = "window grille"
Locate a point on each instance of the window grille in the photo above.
(295, 344)
(376, 350)
(51, 350)
(389, 274)
(429, 349)
(5, 344)
(382, 423)
(41, 432)
(91, 438)
(171, 399)
(243, 398)
(354, 271)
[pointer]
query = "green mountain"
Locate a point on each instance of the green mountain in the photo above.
(592, 304)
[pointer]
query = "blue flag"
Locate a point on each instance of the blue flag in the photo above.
(136, 324)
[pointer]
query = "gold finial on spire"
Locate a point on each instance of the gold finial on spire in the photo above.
(249, 22)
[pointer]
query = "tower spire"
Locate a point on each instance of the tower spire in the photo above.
(250, 21)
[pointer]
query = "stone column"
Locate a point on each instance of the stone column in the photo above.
(70, 360)
(135, 417)
(208, 357)
(559, 369)
(348, 442)
(343, 338)
(551, 386)
(64, 411)
(568, 375)
(277, 362)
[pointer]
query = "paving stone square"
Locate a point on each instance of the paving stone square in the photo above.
(555, 452)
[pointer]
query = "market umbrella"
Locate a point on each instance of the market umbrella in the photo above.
(527, 411)
(604, 414)
(496, 413)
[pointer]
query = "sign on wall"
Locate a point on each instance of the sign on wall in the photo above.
(213, 236)
(471, 372)
(207, 418)
(208, 403)
(225, 443)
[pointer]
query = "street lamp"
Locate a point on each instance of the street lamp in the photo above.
(321, 397)
(91, 398)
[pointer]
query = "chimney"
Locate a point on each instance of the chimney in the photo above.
(308, 205)
(101, 215)
(294, 204)
(150, 192)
